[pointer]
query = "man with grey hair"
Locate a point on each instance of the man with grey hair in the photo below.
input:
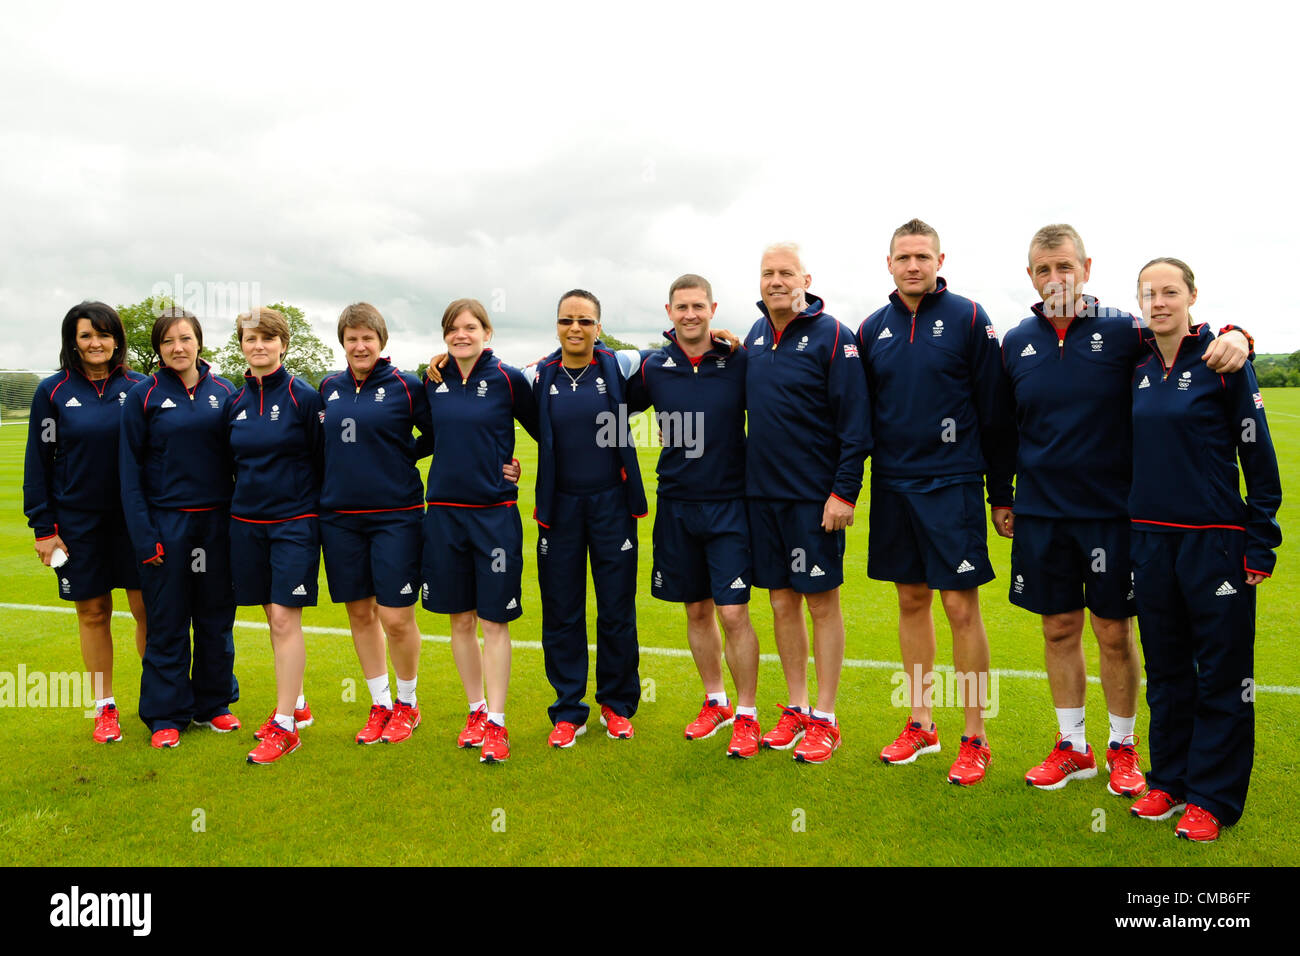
(809, 433)
(1071, 365)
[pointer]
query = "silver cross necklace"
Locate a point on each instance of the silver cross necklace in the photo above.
(573, 382)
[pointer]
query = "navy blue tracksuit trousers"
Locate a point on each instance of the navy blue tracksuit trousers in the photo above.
(192, 587)
(600, 525)
(1196, 616)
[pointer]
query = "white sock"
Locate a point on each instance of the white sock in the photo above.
(285, 722)
(801, 710)
(498, 719)
(829, 718)
(101, 704)
(719, 699)
(747, 712)
(379, 693)
(1121, 728)
(1071, 724)
(302, 702)
(477, 705)
(406, 691)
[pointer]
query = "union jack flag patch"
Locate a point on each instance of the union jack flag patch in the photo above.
(991, 333)
(850, 351)
(1259, 400)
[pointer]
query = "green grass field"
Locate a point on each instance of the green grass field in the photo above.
(654, 800)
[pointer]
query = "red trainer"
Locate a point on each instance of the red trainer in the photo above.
(788, 730)
(222, 723)
(1124, 766)
(616, 727)
(1062, 765)
(1198, 825)
(821, 740)
(274, 745)
(171, 737)
(301, 718)
(1156, 805)
(107, 728)
(472, 735)
(744, 737)
(911, 743)
(711, 718)
(496, 744)
(972, 761)
(402, 724)
(565, 733)
(375, 724)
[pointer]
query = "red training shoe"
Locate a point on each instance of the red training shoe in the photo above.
(1198, 825)
(170, 737)
(1062, 765)
(375, 724)
(913, 742)
(402, 724)
(789, 730)
(472, 735)
(744, 737)
(972, 761)
(496, 744)
(821, 740)
(711, 718)
(107, 728)
(222, 723)
(564, 734)
(1156, 805)
(1124, 766)
(277, 743)
(616, 727)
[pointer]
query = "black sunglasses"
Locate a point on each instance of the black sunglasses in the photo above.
(585, 323)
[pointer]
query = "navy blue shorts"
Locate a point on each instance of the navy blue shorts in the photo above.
(473, 561)
(275, 562)
(373, 555)
(701, 552)
(790, 548)
(1060, 565)
(934, 537)
(100, 555)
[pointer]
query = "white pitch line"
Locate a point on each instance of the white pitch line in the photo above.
(855, 663)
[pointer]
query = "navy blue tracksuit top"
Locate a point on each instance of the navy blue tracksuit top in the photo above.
(474, 433)
(72, 446)
(277, 440)
(173, 452)
(809, 416)
(1073, 412)
(940, 401)
(1190, 426)
(370, 453)
(699, 405)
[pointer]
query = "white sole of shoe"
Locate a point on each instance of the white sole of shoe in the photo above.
(797, 737)
(1060, 784)
(1120, 793)
(912, 759)
(1164, 816)
(208, 724)
(305, 723)
(726, 723)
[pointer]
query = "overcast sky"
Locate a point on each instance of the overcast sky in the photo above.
(409, 155)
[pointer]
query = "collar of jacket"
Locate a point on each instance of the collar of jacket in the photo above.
(382, 371)
(717, 348)
(928, 301)
(204, 370)
(274, 380)
(1090, 303)
(480, 364)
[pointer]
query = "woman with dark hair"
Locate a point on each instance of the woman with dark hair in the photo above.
(1198, 553)
(176, 485)
(71, 494)
(473, 538)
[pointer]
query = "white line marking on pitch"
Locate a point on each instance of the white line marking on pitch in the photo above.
(652, 651)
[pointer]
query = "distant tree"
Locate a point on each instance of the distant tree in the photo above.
(617, 344)
(308, 357)
(419, 372)
(138, 322)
